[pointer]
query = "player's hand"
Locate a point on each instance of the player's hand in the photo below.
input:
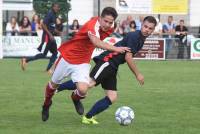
(140, 79)
(122, 49)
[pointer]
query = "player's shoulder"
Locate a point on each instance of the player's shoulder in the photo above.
(93, 21)
(135, 34)
(50, 12)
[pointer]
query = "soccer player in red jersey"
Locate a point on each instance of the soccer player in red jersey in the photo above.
(75, 58)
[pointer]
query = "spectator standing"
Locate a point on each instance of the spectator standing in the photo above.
(12, 27)
(35, 25)
(158, 29)
(126, 23)
(25, 26)
(118, 29)
(181, 33)
(168, 31)
(139, 22)
(132, 26)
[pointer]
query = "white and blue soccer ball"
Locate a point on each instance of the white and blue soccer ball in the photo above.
(124, 115)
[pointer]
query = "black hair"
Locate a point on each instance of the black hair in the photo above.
(53, 4)
(109, 11)
(22, 22)
(150, 19)
(132, 22)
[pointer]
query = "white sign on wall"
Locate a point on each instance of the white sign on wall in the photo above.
(18, 5)
(134, 6)
(194, 13)
(22, 46)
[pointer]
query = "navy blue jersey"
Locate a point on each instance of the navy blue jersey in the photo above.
(133, 40)
(50, 21)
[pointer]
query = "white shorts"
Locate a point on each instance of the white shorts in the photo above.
(77, 72)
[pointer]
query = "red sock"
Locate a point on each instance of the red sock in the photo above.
(49, 92)
(76, 95)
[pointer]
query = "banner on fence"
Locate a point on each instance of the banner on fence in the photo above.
(195, 48)
(23, 46)
(152, 49)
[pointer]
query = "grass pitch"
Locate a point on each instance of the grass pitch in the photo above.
(168, 103)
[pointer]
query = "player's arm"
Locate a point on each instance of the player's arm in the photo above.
(44, 26)
(100, 44)
(58, 32)
(131, 64)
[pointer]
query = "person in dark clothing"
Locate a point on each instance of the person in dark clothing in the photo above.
(181, 33)
(199, 32)
(58, 28)
(48, 26)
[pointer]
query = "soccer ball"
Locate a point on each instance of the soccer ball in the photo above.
(124, 115)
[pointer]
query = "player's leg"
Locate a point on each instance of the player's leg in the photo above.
(80, 76)
(53, 49)
(100, 106)
(78, 95)
(105, 75)
(68, 85)
(42, 41)
(24, 61)
(49, 92)
(61, 72)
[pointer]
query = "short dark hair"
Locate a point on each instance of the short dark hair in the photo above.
(109, 11)
(132, 22)
(150, 19)
(55, 3)
(170, 16)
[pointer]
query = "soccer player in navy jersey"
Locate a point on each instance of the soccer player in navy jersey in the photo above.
(49, 30)
(107, 63)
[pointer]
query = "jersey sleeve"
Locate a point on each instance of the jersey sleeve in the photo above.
(132, 43)
(93, 28)
(47, 19)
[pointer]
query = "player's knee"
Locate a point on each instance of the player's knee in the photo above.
(83, 88)
(54, 85)
(112, 97)
(92, 83)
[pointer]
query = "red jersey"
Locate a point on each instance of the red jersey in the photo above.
(79, 49)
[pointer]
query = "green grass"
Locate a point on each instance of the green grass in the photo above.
(168, 103)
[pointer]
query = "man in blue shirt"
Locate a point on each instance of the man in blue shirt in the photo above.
(49, 30)
(168, 31)
(107, 63)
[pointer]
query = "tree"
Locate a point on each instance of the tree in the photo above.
(41, 7)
